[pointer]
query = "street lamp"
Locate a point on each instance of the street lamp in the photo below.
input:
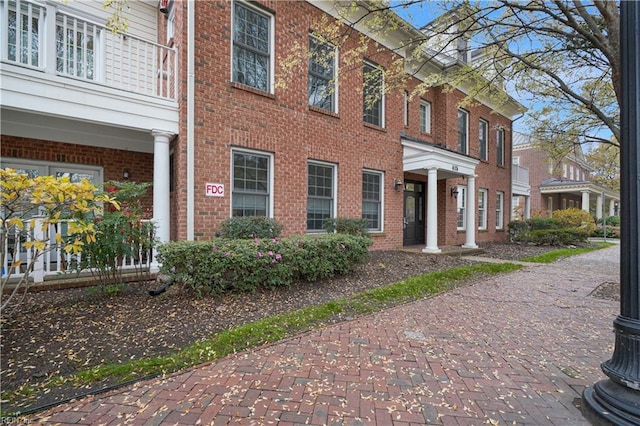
(616, 401)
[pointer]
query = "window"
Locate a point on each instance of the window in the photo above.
(320, 194)
(171, 20)
(463, 131)
(76, 48)
(406, 108)
(499, 210)
(564, 204)
(23, 32)
(515, 161)
(564, 170)
(571, 173)
(463, 49)
(322, 90)
(462, 200)
(483, 133)
(550, 205)
(500, 144)
(482, 209)
(251, 47)
(252, 184)
(373, 95)
(425, 117)
(372, 199)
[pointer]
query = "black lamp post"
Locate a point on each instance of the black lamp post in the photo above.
(616, 401)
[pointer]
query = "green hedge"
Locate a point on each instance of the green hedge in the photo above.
(346, 225)
(230, 265)
(545, 231)
(249, 227)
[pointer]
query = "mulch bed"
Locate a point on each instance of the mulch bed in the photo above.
(60, 332)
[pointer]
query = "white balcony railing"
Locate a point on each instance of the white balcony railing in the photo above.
(43, 38)
(519, 175)
(53, 260)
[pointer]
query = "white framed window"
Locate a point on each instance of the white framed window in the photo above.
(463, 131)
(462, 200)
(482, 209)
(406, 108)
(564, 204)
(373, 84)
(77, 46)
(564, 170)
(75, 172)
(500, 147)
(483, 139)
(550, 205)
(571, 172)
(25, 33)
(171, 20)
(322, 74)
(252, 58)
(321, 194)
(425, 117)
(252, 183)
(499, 210)
(550, 167)
(372, 199)
(515, 161)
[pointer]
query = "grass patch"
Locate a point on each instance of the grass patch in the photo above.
(554, 255)
(278, 327)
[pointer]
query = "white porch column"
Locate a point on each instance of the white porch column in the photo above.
(471, 213)
(527, 207)
(612, 207)
(599, 202)
(432, 212)
(585, 201)
(161, 209)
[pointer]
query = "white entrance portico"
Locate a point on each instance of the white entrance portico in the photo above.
(437, 163)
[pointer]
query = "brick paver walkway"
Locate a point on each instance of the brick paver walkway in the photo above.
(514, 349)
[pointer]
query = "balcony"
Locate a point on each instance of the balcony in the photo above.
(520, 180)
(58, 63)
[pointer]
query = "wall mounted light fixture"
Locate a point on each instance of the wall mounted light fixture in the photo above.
(397, 184)
(454, 192)
(125, 174)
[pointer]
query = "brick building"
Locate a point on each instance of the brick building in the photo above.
(558, 184)
(188, 99)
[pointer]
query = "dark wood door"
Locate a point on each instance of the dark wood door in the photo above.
(413, 213)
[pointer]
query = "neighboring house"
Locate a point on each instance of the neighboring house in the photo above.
(558, 184)
(187, 99)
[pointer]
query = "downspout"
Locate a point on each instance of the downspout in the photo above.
(190, 118)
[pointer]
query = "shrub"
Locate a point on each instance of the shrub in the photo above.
(555, 237)
(249, 227)
(611, 221)
(227, 265)
(575, 218)
(518, 230)
(345, 225)
(544, 223)
(612, 232)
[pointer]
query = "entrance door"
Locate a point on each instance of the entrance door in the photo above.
(413, 213)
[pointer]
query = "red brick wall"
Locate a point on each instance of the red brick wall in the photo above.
(113, 161)
(229, 115)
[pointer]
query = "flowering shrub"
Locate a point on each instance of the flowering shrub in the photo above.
(575, 218)
(228, 265)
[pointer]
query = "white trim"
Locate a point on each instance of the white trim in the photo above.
(500, 216)
(270, 177)
(467, 115)
(483, 195)
(427, 116)
(461, 204)
(382, 92)
(483, 123)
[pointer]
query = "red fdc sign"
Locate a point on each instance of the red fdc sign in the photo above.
(214, 190)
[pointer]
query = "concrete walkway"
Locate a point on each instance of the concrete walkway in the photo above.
(514, 349)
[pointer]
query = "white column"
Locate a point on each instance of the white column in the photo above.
(585, 201)
(612, 207)
(161, 209)
(432, 212)
(527, 207)
(599, 202)
(471, 213)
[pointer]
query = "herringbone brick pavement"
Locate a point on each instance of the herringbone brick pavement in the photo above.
(513, 349)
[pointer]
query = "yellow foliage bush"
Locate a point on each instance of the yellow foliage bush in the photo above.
(576, 218)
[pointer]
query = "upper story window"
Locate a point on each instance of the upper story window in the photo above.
(500, 147)
(372, 199)
(76, 48)
(373, 94)
(252, 49)
(462, 45)
(564, 170)
(23, 31)
(171, 20)
(425, 117)
(252, 184)
(321, 194)
(322, 75)
(405, 116)
(483, 136)
(463, 131)
(571, 172)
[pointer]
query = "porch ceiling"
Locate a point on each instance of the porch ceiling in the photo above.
(46, 127)
(418, 157)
